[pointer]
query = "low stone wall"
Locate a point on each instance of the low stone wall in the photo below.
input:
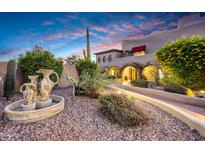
(165, 95)
(193, 120)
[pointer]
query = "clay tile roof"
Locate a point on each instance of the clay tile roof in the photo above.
(108, 51)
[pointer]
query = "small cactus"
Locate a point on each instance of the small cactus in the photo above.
(84, 54)
(9, 81)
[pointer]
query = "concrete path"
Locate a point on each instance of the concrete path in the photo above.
(192, 115)
(157, 94)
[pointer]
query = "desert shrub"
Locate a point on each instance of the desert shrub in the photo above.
(91, 84)
(39, 58)
(139, 83)
(120, 109)
(86, 65)
(174, 88)
(92, 79)
(184, 60)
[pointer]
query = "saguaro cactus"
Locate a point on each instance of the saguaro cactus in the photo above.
(9, 82)
(88, 44)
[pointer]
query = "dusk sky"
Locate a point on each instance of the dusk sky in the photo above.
(64, 34)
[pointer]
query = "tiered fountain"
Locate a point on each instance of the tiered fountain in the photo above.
(37, 104)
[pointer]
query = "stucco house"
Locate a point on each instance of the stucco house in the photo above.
(137, 57)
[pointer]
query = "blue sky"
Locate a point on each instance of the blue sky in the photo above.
(64, 34)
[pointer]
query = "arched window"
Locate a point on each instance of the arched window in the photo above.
(99, 59)
(110, 58)
(104, 59)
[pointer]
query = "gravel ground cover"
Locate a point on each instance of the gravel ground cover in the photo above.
(81, 120)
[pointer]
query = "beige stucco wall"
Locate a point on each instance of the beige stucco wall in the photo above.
(115, 55)
(70, 70)
(120, 62)
(3, 69)
(188, 26)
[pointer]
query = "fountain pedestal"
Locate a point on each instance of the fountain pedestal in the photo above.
(43, 104)
(29, 107)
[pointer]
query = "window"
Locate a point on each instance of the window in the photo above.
(110, 58)
(104, 59)
(99, 59)
(139, 53)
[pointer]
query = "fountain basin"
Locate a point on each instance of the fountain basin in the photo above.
(13, 113)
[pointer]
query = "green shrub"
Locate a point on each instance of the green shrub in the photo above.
(92, 78)
(86, 65)
(139, 83)
(120, 109)
(174, 88)
(184, 60)
(91, 85)
(39, 58)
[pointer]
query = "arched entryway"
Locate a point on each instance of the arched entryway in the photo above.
(129, 73)
(114, 71)
(152, 73)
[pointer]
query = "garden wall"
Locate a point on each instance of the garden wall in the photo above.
(3, 69)
(68, 70)
(167, 96)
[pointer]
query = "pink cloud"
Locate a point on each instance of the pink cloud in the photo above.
(97, 35)
(48, 23)
(55, 36)
(129, 27)
(148, 24)
(60, 35)
(118, 28)
(106, 46)
(139, 16)
(102, 29)
(173, 24)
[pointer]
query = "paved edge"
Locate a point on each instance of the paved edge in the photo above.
(187, 118)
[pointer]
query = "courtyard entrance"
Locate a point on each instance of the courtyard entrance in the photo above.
(129, 73)
(113, 71)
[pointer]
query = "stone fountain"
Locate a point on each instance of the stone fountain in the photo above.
(37, 104)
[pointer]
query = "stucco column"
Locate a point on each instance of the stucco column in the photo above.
(139, 74)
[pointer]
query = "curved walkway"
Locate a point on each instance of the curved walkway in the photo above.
(192, 115)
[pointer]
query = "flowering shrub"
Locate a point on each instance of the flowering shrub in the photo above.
(184, 61)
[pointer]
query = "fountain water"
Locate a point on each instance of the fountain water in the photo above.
(37, 104)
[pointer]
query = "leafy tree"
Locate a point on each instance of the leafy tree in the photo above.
(39, 58)
(184, 61)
